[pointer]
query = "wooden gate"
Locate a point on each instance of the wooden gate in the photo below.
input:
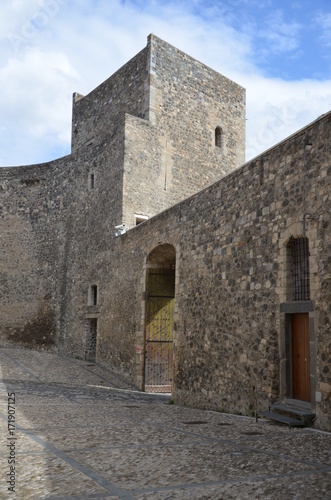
(300, 357)
(160, 301)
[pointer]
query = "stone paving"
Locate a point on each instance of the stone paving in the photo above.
(82, 433)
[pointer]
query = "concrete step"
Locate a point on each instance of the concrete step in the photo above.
(303, 405)
(291, 422)
(293, 416)
(305, 415)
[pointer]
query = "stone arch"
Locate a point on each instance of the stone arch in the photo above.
(163, 255)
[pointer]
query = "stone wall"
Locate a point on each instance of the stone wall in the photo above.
(153, 126)
(96, 116)
(128, 168)
(54, 227)
(231, 280)
(173, 154)
(31, 207)
(163, 108)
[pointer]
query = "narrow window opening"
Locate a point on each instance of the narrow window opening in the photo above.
(91, 181)
(93, 295)
(218, 137)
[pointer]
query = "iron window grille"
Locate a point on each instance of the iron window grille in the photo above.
(301, 269)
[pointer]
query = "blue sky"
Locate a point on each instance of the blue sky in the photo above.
(280, 51)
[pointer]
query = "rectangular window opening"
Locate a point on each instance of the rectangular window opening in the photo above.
(91, 181)
(93, 295)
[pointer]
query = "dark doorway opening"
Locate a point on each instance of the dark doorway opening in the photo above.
(159, 319)
(91, 339)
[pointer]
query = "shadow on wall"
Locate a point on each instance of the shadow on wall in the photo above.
(38, 332)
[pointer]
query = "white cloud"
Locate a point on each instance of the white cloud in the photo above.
(16, 13)
(280, 35)
(276, 109)
(323, 21)
(36, 104)
(81, 43)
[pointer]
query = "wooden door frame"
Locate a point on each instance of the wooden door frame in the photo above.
(287, 309)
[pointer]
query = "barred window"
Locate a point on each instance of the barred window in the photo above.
(301, 281)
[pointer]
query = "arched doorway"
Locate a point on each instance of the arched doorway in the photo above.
(159, 318)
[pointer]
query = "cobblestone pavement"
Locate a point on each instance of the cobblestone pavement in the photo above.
(81, 433)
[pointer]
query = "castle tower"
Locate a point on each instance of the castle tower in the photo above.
(167, 126)
(157, 131)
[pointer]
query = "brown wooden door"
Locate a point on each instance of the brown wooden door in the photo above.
(300, 357)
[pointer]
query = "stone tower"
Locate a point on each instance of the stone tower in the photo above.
(159, 130)
(170, 126)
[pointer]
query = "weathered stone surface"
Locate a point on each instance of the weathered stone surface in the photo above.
(144, 145)
(83, 433)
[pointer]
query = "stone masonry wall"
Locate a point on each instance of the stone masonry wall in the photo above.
(57, 224)
(31, 205)
(230, 279)
(173, 154)
(93, 217)
(53, 228)
(170, 105)
(138, 151)
(58, 219)
(96, 116)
